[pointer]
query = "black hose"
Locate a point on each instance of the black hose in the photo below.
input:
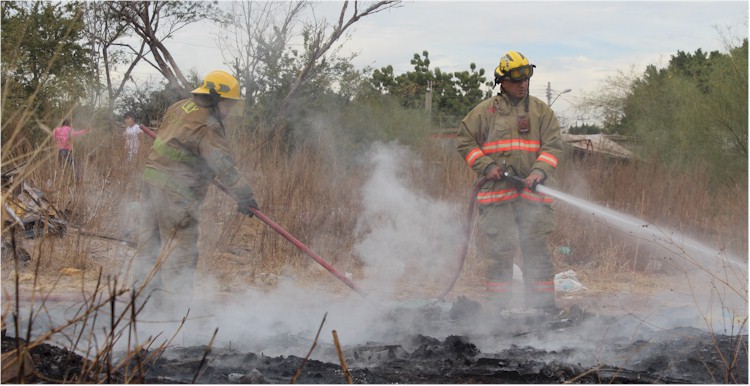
(467, 238)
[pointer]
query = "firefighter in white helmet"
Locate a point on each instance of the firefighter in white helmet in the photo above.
(516, 133)
(189, 152)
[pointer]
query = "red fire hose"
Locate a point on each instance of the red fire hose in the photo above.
(467, 238)
(284, 233)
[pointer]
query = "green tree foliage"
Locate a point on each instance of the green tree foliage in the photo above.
(45, 70)
(696, 67)
(453, 94)
(381, 119)
(694, 112)
(459, 92)
(149, 103)
(328, 87)
(342, 102)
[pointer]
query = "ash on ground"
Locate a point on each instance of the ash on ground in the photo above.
(476, 347)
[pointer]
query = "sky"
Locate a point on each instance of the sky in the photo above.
(575, 45)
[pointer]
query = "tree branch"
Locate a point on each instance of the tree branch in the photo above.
(318, 50)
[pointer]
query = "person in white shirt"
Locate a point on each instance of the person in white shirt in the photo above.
(132, 130)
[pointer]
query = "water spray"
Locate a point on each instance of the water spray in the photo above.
(637, 227)
(698, 254)
(693, 251)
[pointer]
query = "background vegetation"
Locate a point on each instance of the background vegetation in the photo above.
(310, 117)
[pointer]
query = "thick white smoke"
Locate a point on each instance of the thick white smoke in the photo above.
(408, 236)
(408, 239)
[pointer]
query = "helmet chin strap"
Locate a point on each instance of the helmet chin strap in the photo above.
(215, 99)
(528, 89)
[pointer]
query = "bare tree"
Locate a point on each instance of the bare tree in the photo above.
(104, 32)
(609, 102)
(319, 44)
(258, 47)
(261, 34)
(157, 21)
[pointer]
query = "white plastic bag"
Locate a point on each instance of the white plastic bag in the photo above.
(568, 282)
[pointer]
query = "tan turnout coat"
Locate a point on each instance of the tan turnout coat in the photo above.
(489, 134)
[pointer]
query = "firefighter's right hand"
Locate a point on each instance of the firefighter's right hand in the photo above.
(494, 172)
(245, 207)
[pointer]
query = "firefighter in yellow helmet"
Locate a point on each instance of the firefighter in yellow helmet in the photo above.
(515, 133)
(189, 152)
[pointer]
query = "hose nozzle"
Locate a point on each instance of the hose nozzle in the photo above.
(513, 177)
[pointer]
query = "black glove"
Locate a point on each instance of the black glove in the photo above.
(245, 206)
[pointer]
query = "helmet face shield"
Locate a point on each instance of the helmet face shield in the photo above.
(520, 73)
(515, 67)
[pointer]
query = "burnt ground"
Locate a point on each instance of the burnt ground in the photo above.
(525, 348)
(457, 360)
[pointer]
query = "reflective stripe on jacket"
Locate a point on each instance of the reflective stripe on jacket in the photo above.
(489, 134)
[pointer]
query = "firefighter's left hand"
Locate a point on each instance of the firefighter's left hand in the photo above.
(245, 207)
(533, 180)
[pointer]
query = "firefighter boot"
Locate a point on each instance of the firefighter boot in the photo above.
(540, 295)
(499, 298)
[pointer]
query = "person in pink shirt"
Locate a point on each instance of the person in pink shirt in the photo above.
(63, 137)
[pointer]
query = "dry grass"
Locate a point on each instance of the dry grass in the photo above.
(314, 193)
(679, 203)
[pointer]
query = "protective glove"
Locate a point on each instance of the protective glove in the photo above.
(245, 206)
(493, 172)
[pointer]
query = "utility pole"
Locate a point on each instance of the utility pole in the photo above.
(549, 94)
(428, 102)
(428, 98)
(550, 101)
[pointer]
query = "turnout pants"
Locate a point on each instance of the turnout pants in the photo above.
(167, 254)
(502, 230)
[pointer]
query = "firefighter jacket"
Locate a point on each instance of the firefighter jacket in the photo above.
(190, 150)
(489, 134)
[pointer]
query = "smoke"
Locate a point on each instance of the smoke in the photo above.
(280, 322)
(408, 236)
(409, 243)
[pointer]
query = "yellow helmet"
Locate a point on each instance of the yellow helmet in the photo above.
(514, 66)
(222, 83)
